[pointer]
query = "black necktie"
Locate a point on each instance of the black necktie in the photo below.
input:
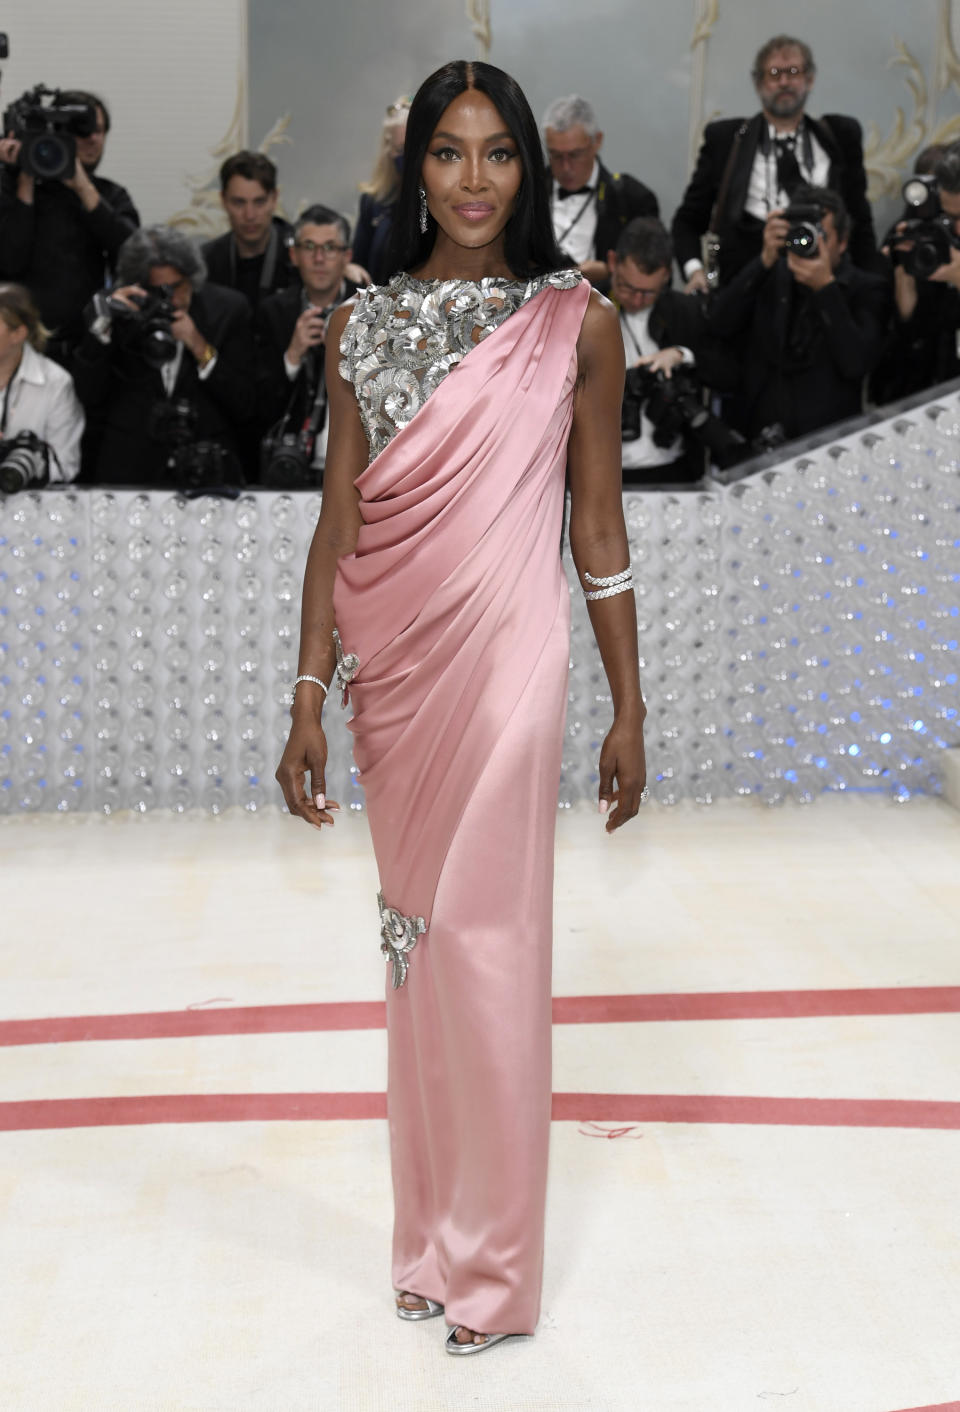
(789, 175)
(563, 192)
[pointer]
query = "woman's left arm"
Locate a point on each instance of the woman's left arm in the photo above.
(598, 539)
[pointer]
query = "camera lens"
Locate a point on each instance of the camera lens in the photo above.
(50, 157)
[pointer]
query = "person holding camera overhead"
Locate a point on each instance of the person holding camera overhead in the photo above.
(167, 367)
(60, 235)
(290, 333)
(41, 420)
(804, 323)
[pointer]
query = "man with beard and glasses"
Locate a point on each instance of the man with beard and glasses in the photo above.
(748, 167)
(60, 238)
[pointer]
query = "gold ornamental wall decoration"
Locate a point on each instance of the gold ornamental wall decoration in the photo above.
(478, 13)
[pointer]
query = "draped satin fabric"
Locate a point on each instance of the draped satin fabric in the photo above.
(457, 606)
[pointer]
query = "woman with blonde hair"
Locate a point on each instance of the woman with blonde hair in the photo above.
(36, 394)
(379, 195)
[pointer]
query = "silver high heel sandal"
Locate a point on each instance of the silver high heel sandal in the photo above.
(452, 1346)
(412, 1315)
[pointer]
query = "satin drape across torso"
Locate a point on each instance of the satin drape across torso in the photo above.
(456, 583)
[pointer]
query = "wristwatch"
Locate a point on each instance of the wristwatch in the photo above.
(207, 356)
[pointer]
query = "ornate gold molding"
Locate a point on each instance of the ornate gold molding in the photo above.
(708, 13)
(886, 158)
(478, 13)
(948, 61)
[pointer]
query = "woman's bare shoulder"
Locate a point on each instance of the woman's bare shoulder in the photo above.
(600, 332)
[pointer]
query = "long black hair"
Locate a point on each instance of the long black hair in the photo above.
(529, 244)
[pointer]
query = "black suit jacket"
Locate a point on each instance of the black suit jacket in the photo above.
(741, 235)
(121, 391)
(273, 327)
(802, 355)
(221, 261)
(60, 250)
(620, 198)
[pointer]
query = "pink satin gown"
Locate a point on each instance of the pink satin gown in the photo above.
(457, 607)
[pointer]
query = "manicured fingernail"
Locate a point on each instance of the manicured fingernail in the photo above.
(321, 801)
(604, 805)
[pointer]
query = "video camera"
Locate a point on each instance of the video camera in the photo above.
(926, 225)
(48, 128)
(675, 407)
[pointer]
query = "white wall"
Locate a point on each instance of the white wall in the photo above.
(172, 74)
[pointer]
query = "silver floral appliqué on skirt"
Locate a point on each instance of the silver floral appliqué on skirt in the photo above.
(399, 935)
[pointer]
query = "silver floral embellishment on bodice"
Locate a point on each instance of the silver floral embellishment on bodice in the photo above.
(399, 935)
(403, 338)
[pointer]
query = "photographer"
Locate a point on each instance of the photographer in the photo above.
(167, 367)
(290, 333)
(252, 256)
(662, 330)
(41, 421)
(60, 237)
(804, 323)
(747, 167)
(922, 348)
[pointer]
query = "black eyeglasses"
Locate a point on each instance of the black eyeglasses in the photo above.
(329, 247)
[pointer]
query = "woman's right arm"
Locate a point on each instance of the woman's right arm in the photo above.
(335, 534)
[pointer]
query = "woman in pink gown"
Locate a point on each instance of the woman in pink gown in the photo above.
(468, 386)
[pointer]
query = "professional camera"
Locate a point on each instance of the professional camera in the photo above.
(48, 128)
(286, 452)
(805, 233)
(144, 330)
(192, 464)
(925, 224)
(24, 463)
(675, 407)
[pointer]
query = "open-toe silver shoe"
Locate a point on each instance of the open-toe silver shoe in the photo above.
(452, 1346)
(412, 1315)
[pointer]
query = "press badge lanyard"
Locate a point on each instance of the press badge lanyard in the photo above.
(576, 220)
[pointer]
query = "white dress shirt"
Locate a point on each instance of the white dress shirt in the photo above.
(42, 399)
(764, 194)
(575, 219)
(635, 332)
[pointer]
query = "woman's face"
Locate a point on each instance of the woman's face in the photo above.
(472, 171)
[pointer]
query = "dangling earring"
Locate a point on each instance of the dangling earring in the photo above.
(423, 211)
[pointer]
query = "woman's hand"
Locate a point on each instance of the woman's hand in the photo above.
(306, 753)
(622, 760)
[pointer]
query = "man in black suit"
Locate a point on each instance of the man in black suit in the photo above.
(662, 330)
(749, 167)
(589, 205)
(61, 237)
(155, 402)
(806, 331)
(290, 327)
(252, 256)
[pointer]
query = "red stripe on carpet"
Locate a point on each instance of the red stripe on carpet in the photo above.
(567, 1010)
(567, 1107)
(940, 1407)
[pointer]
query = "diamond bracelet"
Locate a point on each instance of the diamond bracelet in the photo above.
(609, 586)
(318, 681)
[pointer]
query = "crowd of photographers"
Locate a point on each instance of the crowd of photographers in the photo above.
(130, 355)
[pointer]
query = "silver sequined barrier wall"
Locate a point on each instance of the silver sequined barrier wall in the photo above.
(798, 633)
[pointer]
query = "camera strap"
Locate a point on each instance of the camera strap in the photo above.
(630, 334)
(577, 218)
